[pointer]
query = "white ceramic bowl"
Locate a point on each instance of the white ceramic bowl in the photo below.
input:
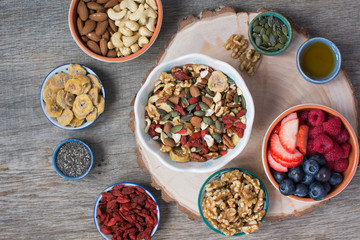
(154, 148)
(65, 68)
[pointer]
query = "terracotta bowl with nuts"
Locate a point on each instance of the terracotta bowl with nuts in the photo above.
(194, 113)
(115, 30)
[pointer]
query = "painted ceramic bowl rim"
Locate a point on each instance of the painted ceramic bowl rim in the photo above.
(108, 237)
(74, 33)
(217, 175)
(53, 120)
(331, 111)
(191, 166)
(55, 155)
(336, 52)
(282, 19)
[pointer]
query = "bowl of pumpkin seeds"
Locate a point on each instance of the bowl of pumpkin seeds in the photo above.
(270, 33)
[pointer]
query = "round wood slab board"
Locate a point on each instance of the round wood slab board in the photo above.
(276, 86)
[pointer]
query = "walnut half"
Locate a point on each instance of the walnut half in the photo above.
(250, 61)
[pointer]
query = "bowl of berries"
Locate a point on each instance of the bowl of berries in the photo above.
(310, 153)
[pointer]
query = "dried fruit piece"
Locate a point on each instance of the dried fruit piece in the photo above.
(52, 109)
(92, 115)
(73, 86)
(59, 80)
(65, 118)
(249, 61)
(180, 156)
(76, 69)
(82, 106)
(218, 81)
(60, 98)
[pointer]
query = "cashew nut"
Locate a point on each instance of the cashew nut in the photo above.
(132, 25)
(135, 47)
(143, 31)
(116, 40)
(150, 13)
(129, 4)
(113, 15)
(125, 31)
(120, 23)
(117, 8)
(110, 45)
(128, 41)
(137, 14)
(140, 1)
(152, 4)
(143, 41)
(125, 51)
(151, 24)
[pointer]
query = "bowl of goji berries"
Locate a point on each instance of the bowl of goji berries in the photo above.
(126, 211)
(194, 113)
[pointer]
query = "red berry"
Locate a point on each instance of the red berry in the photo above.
(204, 149)
(179, 109)
(332, 126)
(196, 135)
(330, 165)
(197, 108)
(226, 126)
(303, 117)
(182, 131)
(323, 143)
(240, 132)
(222, 153)
(316, 117)
(310, 150)
(342, 137)
(315, 131)
(341, 165)
(203, 133)
(346, 147)
(334, 154)
(193, 100)
(183, 140)
(289, 117)
(241, 113)
(240, 125)
(194, 142)
(277, 128)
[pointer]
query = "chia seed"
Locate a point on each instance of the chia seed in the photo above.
(73, 159)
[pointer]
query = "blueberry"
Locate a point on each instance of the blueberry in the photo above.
(323, 175)
(317, 191)
(279, 176)
(287, 187)
(319, 158)
(308, 179)
(311, 167)
(296, 174)
(335, 178)
(301, 190)
(327, 187)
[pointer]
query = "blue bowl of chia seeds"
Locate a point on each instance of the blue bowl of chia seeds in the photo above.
(73, 159)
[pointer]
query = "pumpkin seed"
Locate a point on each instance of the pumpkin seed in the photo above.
(265, 38)
(217, 137)
(268, 31)
(211, 93)
(186, 118)
(172, 105)
(199, 113)
(277, 22)
(283, 39)
(258, 41)
(257, 29)
(243, 103)
(236, 98)
(266, 26)
(262, 31)
(191, 107)
(187, 93)
(254, 35)
(198, 149)
(263, 21)
(284, 29)
(272, 39)
(279, 45)
(185, 101)
(272, 49)
(256, 23)
(176, 128)
(161, 111)
(208, 120)
(165, 118)
(218, 124)
(203, 106)
(271, 21)
(174, 114)
(234, 110)
(230, 81)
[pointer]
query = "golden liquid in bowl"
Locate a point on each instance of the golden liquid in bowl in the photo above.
(317, 60)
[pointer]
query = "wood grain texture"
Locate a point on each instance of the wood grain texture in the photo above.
(38, 204)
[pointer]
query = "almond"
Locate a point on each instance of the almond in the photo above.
(93, 46)
(112, 25)
(169, 142)
(194, 91)
(101, 27)
(174, 99)
(83, 11)
(103, 46)
(98, 17)
(196, 121)
(79, 24)
(101, 1)
(111, 53)
(167, 127)
(94, 6)
(93, 36)
(85, 38)
(89, 26)
(207, 100)
(106, 35)
(111, 3)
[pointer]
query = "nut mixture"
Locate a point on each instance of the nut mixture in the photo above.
(73, 97)
(235, 203)
(116, 28)
(196, 113)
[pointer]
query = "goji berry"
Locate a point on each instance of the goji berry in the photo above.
(227, 126)
(182, 131)
(240, 132)
(179, 109)
(157, 92)
(152, 133)
(228, 122)
(204, 149)
(105, 230)
(196, 135)
(193, 100)
(111, 222)
(197, 108)
(241, 113)
(229, 117)
(240, 125)
(183, 140)
(193, 142)
(122, 200)
(181, 76)
(222, 153)
(203, 133)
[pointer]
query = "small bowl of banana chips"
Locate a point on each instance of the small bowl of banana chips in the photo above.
(72, 97)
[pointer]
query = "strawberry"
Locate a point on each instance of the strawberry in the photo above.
(277, 128)
(289, 117)
(274, 165)
(279, 151)
(288, 134)
(285, 163)
(302, 139)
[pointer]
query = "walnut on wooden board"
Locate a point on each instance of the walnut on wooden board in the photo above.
(236, 44)
(249, 61)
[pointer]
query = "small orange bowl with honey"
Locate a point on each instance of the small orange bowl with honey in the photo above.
(318, 60)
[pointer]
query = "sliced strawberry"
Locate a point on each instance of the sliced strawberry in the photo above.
(277, 128)
(285, 163)
(288, 134)
(275, 165)
(279, 151)
(303, 137)
(289, 117)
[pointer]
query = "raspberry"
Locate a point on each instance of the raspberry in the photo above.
(303, 117)
(341, 165)
(323, 143)
(310, 148)
(330, 165)
(346, 147)
(316, 117)
(334, 154)
(342, 137)
(332, 126)
(315, 131)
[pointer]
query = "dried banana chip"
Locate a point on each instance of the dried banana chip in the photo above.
(59, 80)
(92, 115)
(52, 109)
(95, 81)
(60, 98)
(101, 105)
(65, 118)
(82, 106)
(76, 69)
(74, 86)
(94, 95)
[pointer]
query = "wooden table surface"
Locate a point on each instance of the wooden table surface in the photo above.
(36, 203)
